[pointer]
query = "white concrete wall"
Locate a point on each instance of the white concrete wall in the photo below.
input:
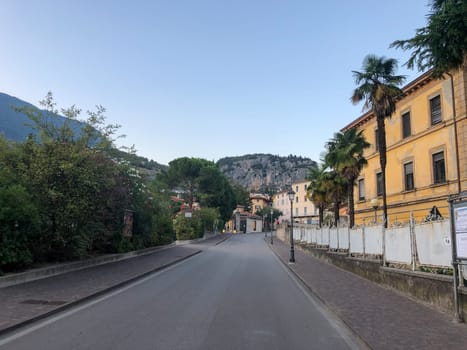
(374, 240)
(356, 241)
(434, 243)
(398, 246)
(343, 238)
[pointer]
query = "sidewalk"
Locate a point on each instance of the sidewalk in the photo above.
(24, 303)
(383, 318)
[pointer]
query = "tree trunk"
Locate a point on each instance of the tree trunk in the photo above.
(321, 215)
(351, 204)
(382, 162)
(336, 213)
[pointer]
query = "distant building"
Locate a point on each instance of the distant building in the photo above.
(304, 210)
(258, 202)
(244, 222)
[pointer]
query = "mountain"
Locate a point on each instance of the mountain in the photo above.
(265, 173)
(16, 126)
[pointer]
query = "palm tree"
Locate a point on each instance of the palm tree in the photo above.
(317, 191)
(345, 156)
(379, 88)
(336, 189)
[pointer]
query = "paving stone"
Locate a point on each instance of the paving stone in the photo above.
(382, 317)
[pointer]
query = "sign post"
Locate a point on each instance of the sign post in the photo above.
(458, 215)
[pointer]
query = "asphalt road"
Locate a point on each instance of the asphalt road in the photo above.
(236, 295)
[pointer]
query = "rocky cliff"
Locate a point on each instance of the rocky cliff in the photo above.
(265, 173)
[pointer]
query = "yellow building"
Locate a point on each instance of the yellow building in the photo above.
(258, 201)
(426, 151)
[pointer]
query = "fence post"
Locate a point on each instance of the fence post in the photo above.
(337, 232)
(384, 244)
(348, 234)
(412, 240)
(363, 239)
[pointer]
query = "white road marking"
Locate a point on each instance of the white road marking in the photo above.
(53, 319)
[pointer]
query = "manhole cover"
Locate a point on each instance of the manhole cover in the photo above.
(43, 302)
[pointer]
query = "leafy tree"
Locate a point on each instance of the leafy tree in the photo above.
(242, 196)
(266, 214)
(202, 179)
(215, 191)
(184, 173)
(65, 197)
(345, 156)
(378, 86)
(442, 43)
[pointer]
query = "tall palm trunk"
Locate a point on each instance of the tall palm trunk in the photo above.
(336, 213)
(351, 203)
(321, 215)
(382, 162)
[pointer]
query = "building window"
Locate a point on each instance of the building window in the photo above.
(305, 187)
(435, 110)
(304, 211)
(296, 211)
(305, 199)
(376, 140)
(408, 176)
(296, 199)
(439, 171)
(379, 184)
(361, 189)
(296, 188)
(406, 132)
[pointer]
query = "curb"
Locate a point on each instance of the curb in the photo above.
(322, 300)
(223, 240)
(92, 296)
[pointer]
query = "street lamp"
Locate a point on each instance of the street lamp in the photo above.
(375, 204)
(291, 195)
(271, 224)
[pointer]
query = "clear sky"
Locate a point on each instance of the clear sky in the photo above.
(204, 78)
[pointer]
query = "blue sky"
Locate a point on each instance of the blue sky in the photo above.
(204, 78)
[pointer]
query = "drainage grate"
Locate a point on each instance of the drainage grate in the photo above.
(43, 302)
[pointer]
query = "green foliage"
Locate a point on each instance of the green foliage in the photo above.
(201, 179)
(266, 214)
(345, 156)
(18, 217)
(202, 220)
(442, 43)
(65, 197)
(185, 228)
(242, 197)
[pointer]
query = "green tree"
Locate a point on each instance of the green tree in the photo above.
(345, 156)
(442, 43)
(184, 173)
(266, 214)
(378, 86)
(215, 191)
(202, 179)
(242, 196)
